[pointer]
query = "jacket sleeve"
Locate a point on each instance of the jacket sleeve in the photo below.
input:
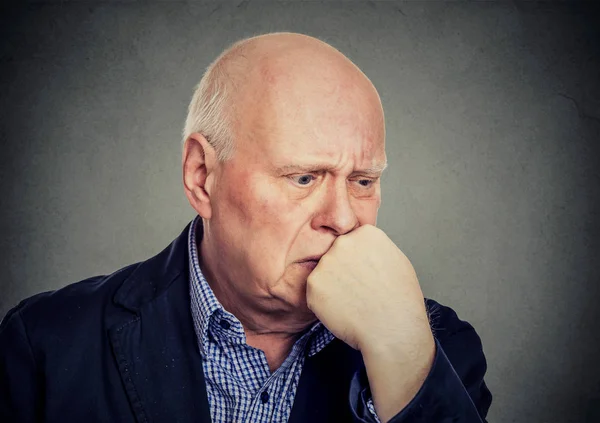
(19, 389)
(454, 390)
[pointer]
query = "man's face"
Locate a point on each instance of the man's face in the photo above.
(304, 171)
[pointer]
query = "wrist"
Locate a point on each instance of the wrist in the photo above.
(413, 355)
(397, 373)
(411, 345)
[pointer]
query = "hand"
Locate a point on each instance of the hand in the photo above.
(366, 292)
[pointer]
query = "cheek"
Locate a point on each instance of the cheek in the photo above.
(257, 203)
(270, 225)
(270, 206)
(366, 210)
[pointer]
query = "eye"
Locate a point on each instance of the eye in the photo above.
(365, 183)
(303, 180)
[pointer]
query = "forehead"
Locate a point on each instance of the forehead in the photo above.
(324, 120)
(328, 148)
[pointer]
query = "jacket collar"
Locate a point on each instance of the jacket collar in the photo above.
(155, 346)
(155, 275)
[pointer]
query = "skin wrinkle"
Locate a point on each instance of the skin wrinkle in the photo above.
(299, 101)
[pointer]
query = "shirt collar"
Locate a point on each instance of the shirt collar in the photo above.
(207, 311)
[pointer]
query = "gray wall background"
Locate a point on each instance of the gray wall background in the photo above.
(493, 120)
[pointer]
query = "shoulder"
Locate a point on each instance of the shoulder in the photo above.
(66, 309)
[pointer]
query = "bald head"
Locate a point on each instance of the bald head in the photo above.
(276, 75)
(269, 59)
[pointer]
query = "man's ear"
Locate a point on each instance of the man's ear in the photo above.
(198, 163)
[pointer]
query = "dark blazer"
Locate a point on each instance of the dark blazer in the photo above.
(122, 348)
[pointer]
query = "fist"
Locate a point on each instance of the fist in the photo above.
(366, 292)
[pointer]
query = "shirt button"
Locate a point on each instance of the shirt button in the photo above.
(224, 324)
(264, 396)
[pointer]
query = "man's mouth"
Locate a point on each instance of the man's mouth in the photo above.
(309, 263)
(310, 258)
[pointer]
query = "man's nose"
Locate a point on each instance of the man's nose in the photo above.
(336, 212)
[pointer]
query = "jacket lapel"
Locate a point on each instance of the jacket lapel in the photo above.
(155, 344)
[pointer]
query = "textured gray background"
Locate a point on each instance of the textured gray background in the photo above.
(493, 119)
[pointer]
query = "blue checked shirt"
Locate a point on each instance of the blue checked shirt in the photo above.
(239, 383)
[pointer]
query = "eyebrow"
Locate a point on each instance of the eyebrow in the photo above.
(374, 170)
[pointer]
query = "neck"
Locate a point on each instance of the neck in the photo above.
(268, 324)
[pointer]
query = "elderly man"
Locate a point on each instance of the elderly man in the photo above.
(281, 301)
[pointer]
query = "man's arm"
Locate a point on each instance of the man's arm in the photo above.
(19, 388)
(454, 389)
(366, 292)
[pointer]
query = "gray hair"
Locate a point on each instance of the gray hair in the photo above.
(211, 111)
